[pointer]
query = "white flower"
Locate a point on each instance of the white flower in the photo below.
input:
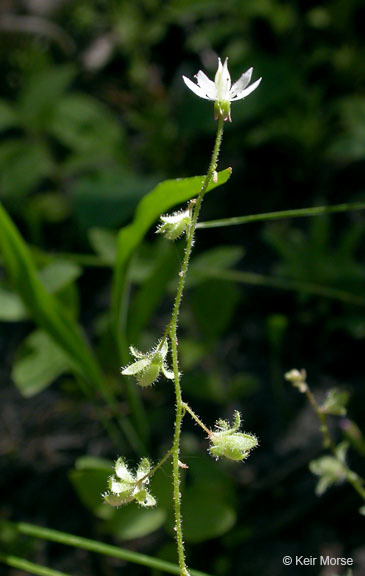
(220, 91)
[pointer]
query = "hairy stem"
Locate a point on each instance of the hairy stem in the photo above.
(174, 348)
(196, 418)
(155, 468)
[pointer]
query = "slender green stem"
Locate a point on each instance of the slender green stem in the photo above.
(196, 418)
(174, 349)
(95, 546)
(155, 468)
(322, 417)
(296, 213)
(30, 567)
(251, 278)
(354, 479)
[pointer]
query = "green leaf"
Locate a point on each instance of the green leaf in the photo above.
(330, 471)
(335, 403)
(36, 370)
(54, 277)
(59, 274)
(208, 503)
(38, 100)
(206, 513)
(90, 482)
(166, 195)
(12, 308)
(46, 311)
(23, 165)
(82, 124)
(104, 243)
(131, 521)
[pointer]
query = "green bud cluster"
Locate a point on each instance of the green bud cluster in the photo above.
(175, 225)
(227, 441)
(125, 486)
(149, 365)
(298, 378)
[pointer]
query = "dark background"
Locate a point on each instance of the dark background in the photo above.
(93, 114)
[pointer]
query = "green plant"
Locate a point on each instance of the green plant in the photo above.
(225, 440)
(332, 468)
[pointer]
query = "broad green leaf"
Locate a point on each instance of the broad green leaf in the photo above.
(45, 310)
(23, 165)
(208, 503)
(206, 513)
(131, 521)
(162, 198)
(43, 363)
(90, 482)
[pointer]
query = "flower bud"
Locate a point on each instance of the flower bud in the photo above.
(149, 365)
(125, 486)
(298, 379)
(174, 225)
(228, 442)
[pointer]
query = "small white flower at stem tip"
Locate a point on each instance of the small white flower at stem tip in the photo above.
(221, 92)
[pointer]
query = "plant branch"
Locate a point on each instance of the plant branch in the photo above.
(196, 418)
(295, 213)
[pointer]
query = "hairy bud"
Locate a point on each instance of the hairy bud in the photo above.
(227, 441)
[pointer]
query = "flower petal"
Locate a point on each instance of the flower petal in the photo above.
(208, 86)
(222, 81)
(241, 83)
(195, 88)
(247, 91)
